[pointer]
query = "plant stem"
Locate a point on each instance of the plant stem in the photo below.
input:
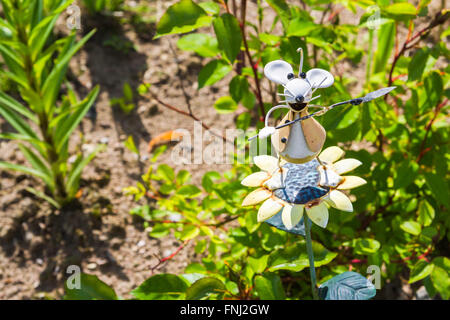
(309, 249)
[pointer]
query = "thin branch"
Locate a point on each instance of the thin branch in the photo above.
(438, 20)
(163, 260)
(189, 114)
(250, 59)
(422, 149)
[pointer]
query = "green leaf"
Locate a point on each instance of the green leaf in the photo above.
(402, 10)
(160, 286)
(228, 35)
(210, 7)
(269, 287)
(68, 125)
(295, 258)
(386, 36)
(189, 232)
(37, 163)
(411, 227)
(420, 270)
(189, 191)
(204, 287)
(73, 176)
(439, 188)
(417, 64)
(202, 44)
(258, 264)
(440, 276)
(27, 170)
(16, 121)
(347, 286)
(426, 213)
(12, 103)
(130, 145)
(238, 87)
(166, 172)
(299, 27)
(225, 105)
(182, 17)
(91, 288)
(212, 72)
(43, 196)
(183, 177)
(406, 174)
(51, 86)
(243, 121)
(365, 245)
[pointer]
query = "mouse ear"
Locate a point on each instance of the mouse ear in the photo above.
(319, 78)
(277, 71)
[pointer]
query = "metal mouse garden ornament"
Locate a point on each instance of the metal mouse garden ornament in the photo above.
(302, 182)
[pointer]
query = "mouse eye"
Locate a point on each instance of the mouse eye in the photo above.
(303, 75)
(290, 76)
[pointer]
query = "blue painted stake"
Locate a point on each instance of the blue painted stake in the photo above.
(309, 250)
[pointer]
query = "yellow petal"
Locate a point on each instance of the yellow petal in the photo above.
(346, 165)
(256, 196)
(255, 179)
(291, 215)
(351, 182)
(268, 209)
(266, 163)
(331, 154)
(318, 214)
(339, 201)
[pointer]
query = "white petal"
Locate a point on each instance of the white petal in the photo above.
(256, 196)
(277, 179)
(339, 201)
(331, 154)
(268, 209)
(351, 182)
(266, 163)
(291, 215)
(346, 165)
(318, 214)
(329, 178)
(255, 179)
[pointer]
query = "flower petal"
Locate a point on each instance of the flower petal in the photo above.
(256, 196)
(351, 182)
(266, 163)
(346, 165)
(291, 215)
(339, 201)
(255, 179)
(277, 179)
(328, 177)
(318, 214)
(268, 209)
(331, 154)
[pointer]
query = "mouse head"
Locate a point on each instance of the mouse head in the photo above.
(298, 90)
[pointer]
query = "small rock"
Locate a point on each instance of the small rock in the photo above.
(104, 140)
(39, 261)
(141, 243)
(91, 266)
(422, 294)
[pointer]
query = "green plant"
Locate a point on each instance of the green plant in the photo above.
(37, 62)
(400, 220)
(126, 103)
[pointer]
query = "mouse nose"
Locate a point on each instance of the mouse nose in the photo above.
(299, 98)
